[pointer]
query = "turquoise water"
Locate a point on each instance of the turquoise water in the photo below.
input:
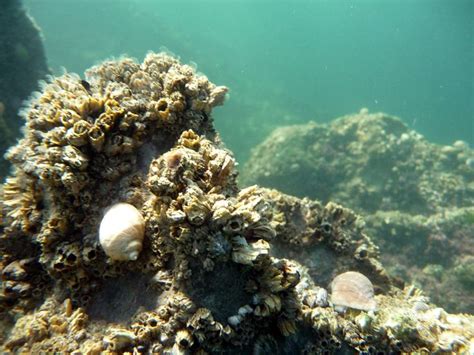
(288, 62)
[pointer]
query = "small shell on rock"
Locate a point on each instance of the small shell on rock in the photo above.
(353, 290)
(119, 340)
(175, 216)
(235, 320)
(121, 232)
(316, 298)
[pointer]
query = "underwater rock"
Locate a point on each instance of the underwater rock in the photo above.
(416, 197)
(22, 65)
(222, 270)
(121, 232)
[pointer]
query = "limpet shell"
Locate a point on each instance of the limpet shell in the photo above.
(353, 290)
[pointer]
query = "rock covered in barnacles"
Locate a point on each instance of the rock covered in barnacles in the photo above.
(353, 290)
(121, 232)
(223, 270)
(406, 187)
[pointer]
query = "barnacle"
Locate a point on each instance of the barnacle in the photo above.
(184, 339)
(221, 212)
(75, 158)
(68, 118)
(56, 137)
(96, 138)
(196, 209)
(245, 253)
(77, 135)
(162, 108)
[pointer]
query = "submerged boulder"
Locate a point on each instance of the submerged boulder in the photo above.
(417, 198)
(221, 269)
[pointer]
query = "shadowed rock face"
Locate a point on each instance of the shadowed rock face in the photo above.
(416, 197)
(22, 64)
(119, 299)
(212, 290)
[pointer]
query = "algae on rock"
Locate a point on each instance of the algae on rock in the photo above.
(416, 197)
(221, 269)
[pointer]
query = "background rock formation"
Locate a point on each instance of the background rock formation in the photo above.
(22, 64)
(221, 269)
(416, 197)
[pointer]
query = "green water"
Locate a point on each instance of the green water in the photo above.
(290, 61)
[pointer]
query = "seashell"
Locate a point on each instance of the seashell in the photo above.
(121, 232)
(244, 310)
(120, 340)
(316, 298)
(234, 320)
(321, 298)
(353, 290)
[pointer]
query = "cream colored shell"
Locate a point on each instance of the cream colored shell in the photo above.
(121, 232)
(353, 290)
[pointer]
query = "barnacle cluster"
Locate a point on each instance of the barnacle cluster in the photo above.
(220, 269)
(88, 144)
(406, 188)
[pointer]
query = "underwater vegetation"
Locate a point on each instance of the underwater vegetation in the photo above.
(416, 197)
(216, 268)
(22, 64)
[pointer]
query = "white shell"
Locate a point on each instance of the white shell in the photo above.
(121, 232)
(354, 290)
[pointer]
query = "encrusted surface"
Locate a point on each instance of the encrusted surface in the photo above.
(416, 197)
(221, 269)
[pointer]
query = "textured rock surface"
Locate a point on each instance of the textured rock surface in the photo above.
(221, 269)
(22, 64)
(416, 197)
